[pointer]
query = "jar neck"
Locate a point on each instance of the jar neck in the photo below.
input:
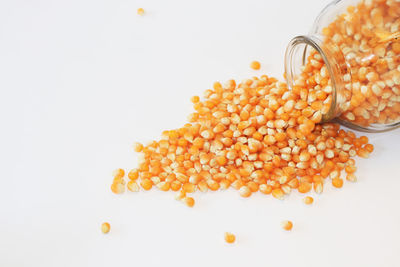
(296, 57)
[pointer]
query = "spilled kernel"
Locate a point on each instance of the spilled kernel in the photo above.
(189, 201)
(105, 227)
(229, 238)
(140, 11)
(287, 225)
(255, 65)
(308, 200)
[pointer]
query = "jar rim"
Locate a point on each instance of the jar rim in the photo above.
(314, 42)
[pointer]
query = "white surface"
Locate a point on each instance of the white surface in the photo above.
(81, 80)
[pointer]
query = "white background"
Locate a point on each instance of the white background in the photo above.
(81, 80)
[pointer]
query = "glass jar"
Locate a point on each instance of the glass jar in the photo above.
(351, 62)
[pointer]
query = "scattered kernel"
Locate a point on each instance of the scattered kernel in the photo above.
(287, 225)
(308, 200)
(189, 201)
(195, 99)
(105, 227)
(137, 147)
(230, 238)
(351, 177)
(140, 11)
(117, 188)
(255, 65)
(337, 182)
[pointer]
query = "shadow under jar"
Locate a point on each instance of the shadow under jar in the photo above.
(350, 64)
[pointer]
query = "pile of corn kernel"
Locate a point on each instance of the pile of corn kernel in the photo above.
(253, 136)
(259, 136)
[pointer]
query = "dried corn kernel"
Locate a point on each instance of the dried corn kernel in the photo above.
(140, 11)
(287, 225)
(189, 201)
(195, 99)
(351, 177)
(117, 188)
(229, 238)
(133, 174)
(133, 186)
(255, 65)
(181, 195)
(118, 174)
(105, 227)
(138, 147)
(337, 182)
(308, 200)
(244, 191)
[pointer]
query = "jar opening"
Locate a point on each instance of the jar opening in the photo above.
(296, 58)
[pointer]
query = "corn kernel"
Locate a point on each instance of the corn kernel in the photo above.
(308, 200)
(189, 201)
(140, 11)
(287, 225)
(229, 238)
(105, 227)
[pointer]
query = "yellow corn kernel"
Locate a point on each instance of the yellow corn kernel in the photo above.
(118, 174)
(133, 186)
(244, 191)
(138, 147)
(189, 201)
(287, 225)
(133, 174)
(146, 184)
(229, 238)
(140, 11)
(308, 200)
(337, 182)
(255, 65)
(105, 227)
(278, 193)
(117, 188)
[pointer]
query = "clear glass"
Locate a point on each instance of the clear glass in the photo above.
(358, 43)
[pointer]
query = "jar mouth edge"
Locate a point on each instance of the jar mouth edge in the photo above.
(314, 42)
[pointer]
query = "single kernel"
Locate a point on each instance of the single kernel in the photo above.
(287, 225)
(138, 147)
(308, 200)
(351, 177)
(244, 191)
(189, 201)
(117, 188)
(118, 174)
(255, 65)
(181, 195)
(146, 184)
(230, 238)
(105, 228)
(133, 186)
(337, 182)
(195, 99)
(133, 174)
(140, 11)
